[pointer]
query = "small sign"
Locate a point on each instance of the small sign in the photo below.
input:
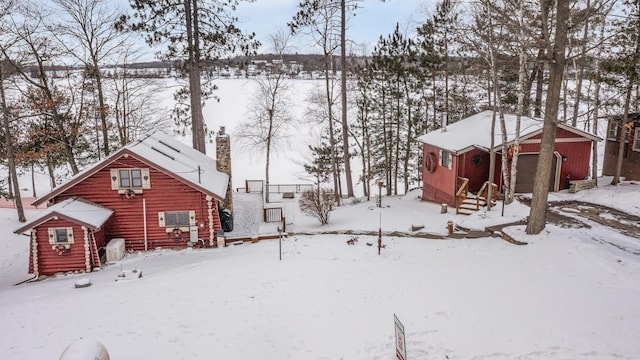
(401, 346)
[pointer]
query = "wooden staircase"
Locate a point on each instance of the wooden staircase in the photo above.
(467, 202)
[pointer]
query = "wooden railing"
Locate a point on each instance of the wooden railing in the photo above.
(461, 194)
(272, 215)
(483, 195)
(464, 201)
(253, 186)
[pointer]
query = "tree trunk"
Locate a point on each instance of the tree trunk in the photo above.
(343, 95)
(8, 143)
(102, 108)
(556, 56)
(580, 73)
(522, 84)
(195, 86)
(332, 140)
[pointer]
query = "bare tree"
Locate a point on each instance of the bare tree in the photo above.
(32, 41)
(555, 52)
(87, 33)
(6, 123)
(269, 119)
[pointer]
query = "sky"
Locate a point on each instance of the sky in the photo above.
(373, 19)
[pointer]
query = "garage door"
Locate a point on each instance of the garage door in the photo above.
(527, 164)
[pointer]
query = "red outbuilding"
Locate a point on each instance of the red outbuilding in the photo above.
(157, 191)
(630, 166)
(458, 155)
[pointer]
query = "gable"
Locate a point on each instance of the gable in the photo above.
(160, 152)
(73, 210)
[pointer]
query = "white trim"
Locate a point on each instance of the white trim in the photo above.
(87, 249)
(161, 219)
(636, 140)
(210, 218)
(192, 218)
(558, 140)
(556, 183)
(34, 252)
(115, 178)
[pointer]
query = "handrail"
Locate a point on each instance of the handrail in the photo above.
(484, 194)
(464, 187)
(461, 194)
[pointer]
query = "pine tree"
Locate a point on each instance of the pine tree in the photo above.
(192, 32)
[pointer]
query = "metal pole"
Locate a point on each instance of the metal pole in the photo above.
(504, 197)
(280, 242)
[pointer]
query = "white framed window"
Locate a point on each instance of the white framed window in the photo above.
(176, 219)
(130, 178)
(60, 235)
(613, 130)
(636, 139)
(445, 158)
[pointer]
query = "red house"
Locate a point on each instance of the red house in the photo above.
(459, 154)
(154, 192)
(630, 169)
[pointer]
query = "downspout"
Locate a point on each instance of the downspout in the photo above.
(144, 222)
(455, 178)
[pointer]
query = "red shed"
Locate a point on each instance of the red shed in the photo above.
(67, 236)
(163, 193)
(459, 153)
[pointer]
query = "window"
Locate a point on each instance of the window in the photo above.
(176, 219)
(636, 140)
(62, 235)
(445, 159)
(613, 130)
(130, 178)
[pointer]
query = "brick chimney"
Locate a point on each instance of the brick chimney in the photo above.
(223, 164)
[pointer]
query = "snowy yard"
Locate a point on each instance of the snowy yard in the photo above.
(562, 296)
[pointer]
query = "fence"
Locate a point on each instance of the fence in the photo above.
(289, 188)
(272, 215)
(257, 186)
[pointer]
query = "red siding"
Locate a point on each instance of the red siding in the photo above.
(440, 185)
(165, 194)
(631, 159)
(475, 167)
(49, 261)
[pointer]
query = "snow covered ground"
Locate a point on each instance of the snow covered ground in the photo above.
(562, 296)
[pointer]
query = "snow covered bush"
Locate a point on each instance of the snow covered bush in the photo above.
(317, 203)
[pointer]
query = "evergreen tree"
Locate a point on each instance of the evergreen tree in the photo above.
(192, 32)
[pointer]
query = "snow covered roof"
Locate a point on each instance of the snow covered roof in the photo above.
(182, 161)
(74, 209)
(475, 132)
(167, 155)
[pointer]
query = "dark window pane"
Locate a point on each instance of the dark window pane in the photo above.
(125, 179)
(136, 178)
(61, 235)
(171, 219)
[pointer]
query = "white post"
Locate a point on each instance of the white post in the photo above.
(144, 221)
